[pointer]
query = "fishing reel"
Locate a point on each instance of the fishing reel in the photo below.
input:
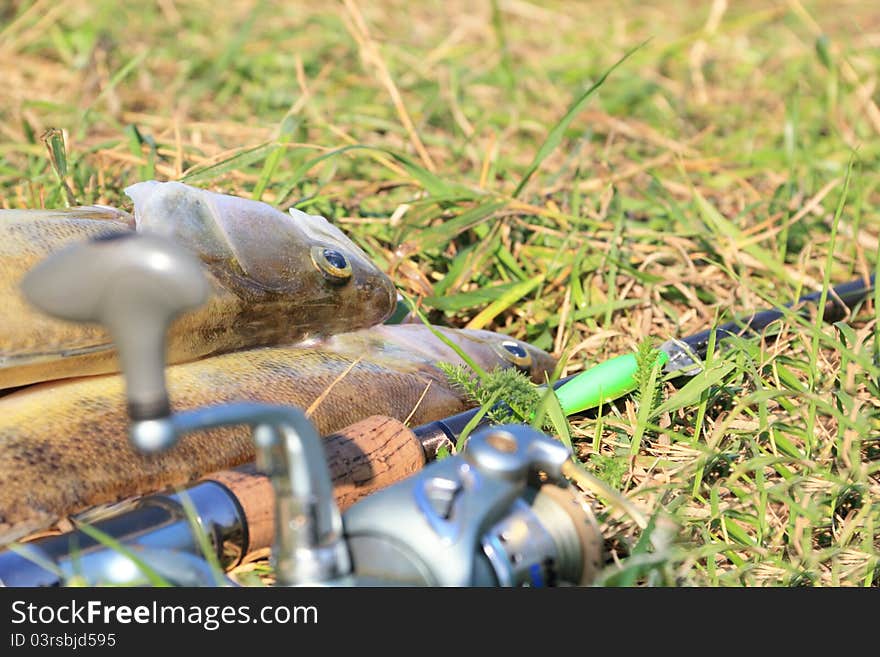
(482, 518)
(499, 514)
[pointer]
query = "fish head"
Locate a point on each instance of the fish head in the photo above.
(498, 349)
(304, 266)
(336, 264)
(416, 341)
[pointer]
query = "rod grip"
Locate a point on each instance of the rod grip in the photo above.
(363, 458)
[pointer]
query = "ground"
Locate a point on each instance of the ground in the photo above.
(727, 163)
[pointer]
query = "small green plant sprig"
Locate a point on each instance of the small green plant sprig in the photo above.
(505, 396)
(520, 396)
(649, 389)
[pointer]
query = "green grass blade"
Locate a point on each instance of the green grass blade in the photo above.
(470, 299)
(445, 340)
(437, 236)
(505, 301)
(475, 420)
(554, 137)
(289, 126)
(202, 538)
(690, 393)
(647, 393)
(432, 183)
(105, 539)
(53, 138)
(240, 160)
(550, 408)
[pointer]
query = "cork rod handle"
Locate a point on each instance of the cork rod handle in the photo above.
(363, 458)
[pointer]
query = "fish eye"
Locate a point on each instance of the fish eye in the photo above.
(515, 353)
(332, 263)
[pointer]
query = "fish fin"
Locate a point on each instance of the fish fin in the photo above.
(28, 358)
(100, 512)
(16, 531)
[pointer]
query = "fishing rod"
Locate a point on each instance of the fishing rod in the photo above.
(616, 377)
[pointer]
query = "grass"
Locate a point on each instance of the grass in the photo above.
(728, 163)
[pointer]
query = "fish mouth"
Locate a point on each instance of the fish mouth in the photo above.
(379, 298)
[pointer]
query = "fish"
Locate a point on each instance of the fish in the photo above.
(276, 278)
(64, 445)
